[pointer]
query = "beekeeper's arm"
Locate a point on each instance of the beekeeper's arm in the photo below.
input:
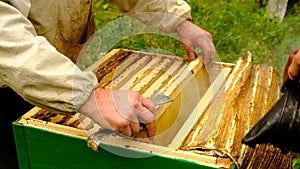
(171, 16)
(34, 69)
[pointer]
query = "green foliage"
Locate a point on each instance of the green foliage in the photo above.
(296, 163)
(105, 12)
(238, 27)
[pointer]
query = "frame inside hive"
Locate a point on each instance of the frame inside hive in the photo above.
(148, 74)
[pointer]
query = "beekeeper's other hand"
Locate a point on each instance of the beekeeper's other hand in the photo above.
(192, 37)
(292, 68)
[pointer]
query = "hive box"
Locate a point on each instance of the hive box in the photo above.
(202, 128)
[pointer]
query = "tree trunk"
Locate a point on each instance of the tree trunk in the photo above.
(277, 9)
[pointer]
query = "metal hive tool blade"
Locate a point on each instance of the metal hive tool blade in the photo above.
(161, 99)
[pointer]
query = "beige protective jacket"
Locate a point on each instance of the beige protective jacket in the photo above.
(37, 36)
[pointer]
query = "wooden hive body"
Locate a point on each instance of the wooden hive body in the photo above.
(187, 131)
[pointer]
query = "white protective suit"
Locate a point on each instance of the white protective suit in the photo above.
(37, 36)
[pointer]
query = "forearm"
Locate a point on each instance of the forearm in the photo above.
(160, 14)
(36, 70)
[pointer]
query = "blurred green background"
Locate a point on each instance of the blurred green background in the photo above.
(237, 26)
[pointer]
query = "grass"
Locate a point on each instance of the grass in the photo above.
(237, 26)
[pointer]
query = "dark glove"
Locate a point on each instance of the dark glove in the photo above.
(281, 125)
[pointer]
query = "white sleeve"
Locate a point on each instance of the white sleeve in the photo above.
(165, 15)
(33, 68)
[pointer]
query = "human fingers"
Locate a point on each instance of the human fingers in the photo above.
(147, 103)
(147, 110)
(139, 109)
(190, 51)
(127, 127)
(135, 128)
(147, 115)
(148, 118)
(294, 68)
(140, 105)
(207, 47)
(126, 131)
(151, 129)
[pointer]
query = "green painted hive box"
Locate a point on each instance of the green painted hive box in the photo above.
(214, 106)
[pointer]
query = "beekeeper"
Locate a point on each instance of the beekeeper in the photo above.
(40, 41)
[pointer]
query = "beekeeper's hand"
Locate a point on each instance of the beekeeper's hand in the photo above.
(121, 111)
(192, 37)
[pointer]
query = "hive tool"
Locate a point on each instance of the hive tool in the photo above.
(98, 137)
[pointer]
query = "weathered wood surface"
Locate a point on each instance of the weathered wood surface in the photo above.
(249, 93)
